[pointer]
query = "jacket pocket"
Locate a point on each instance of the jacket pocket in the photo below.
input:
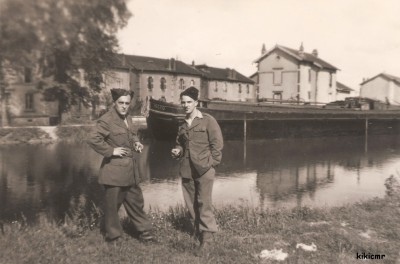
(200, 129)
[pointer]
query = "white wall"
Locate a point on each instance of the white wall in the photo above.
(380, 89)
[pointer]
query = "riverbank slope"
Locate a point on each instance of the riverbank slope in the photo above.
(343, 234)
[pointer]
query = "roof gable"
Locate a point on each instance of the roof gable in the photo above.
(301, 57)
(385, 76)
(341, 87)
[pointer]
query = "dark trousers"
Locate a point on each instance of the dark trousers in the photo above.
(197, 193)
(132, 198)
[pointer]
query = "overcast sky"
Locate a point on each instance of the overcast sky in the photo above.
(360, 37)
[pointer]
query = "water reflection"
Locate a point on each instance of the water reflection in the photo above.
(287, 172)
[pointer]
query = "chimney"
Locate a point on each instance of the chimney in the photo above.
(301, 49)
(315, 52)
(193, 64)
(263, 49)
(231, 73)
(173, 64)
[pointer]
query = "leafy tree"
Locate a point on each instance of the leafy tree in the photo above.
(67, 39)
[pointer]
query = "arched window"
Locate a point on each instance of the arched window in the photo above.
(248, 88)
(192, 83)
(150, 83)
(182, 84)
(163, 85)
(240, 88)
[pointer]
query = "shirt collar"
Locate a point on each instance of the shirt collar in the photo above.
(198, 114)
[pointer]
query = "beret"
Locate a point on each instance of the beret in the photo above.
(192, 92)
(118, 92)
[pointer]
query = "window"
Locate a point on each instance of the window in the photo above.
(240, 88)
(27, 75)
(118, 82)
(192, 83)
(309, 75)
(277, 95)
(181, 84)
(248, 89)
(150, 83)
(330, 79)
(29, 101)
(277, 77)
(163, 85)
(216, 86)
(226, 87)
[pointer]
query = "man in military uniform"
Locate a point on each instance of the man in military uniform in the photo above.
(114, 138)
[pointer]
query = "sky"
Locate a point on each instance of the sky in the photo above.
(360, 37)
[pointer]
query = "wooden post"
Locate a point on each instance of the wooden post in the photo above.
(245, 138)
(366, 135)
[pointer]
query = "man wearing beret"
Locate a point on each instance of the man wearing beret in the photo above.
(198, 147)
(115, 139)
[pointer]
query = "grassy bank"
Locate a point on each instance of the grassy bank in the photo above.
(339, 233)
(41, 135)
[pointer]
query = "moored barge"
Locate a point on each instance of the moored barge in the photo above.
(240, 120)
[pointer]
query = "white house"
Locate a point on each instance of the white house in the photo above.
(383, 87)
(288, 74)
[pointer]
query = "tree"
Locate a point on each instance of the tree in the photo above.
(66, 39)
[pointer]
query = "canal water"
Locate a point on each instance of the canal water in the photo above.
(47, 179)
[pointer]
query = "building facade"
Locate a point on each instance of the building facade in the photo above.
(382, 87)
(25, 103)
(226, 84)
(286, 74)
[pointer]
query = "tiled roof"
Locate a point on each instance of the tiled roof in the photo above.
(341, 87)
(223, 74)
(302, 56)
(155, 64)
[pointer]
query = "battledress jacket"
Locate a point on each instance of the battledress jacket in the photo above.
(201, 143)
(111, 132)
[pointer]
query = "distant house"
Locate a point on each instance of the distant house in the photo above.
(383, 87)
(25, 102)
(288, 74)
(226, 84)
(343, 91)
